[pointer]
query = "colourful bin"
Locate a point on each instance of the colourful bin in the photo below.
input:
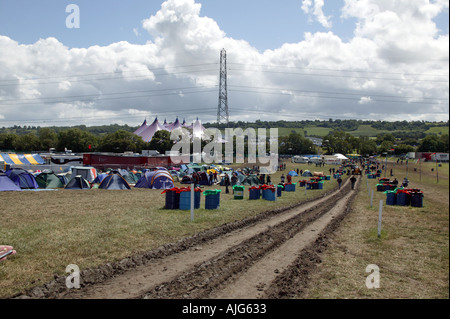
(185, 199)
(254, 193)
(212, 198)
(289, 187)
(238, 191)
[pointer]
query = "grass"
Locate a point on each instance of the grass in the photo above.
(412, 253)
(52, 229)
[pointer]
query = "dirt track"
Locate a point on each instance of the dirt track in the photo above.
(261, 257)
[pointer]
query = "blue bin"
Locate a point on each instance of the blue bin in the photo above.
(212, 201)
(391, 198)
(308, 185)
(403, 199)
(185, 200)
(320, 185)
(269, 195)
(289, 187)
(172, 200)
(417, 199)
(254, 193)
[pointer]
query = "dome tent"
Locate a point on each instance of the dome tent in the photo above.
(114, 181)
(78, 182)
(160, 179)
(6, 184)
(22, 178)
(47, 179)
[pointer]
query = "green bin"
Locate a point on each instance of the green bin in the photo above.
(238, 191)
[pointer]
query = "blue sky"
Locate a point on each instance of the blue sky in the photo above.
(301, 59)
(265, 24)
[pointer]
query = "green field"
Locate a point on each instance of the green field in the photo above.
(52, 229)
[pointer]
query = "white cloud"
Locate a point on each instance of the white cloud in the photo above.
(396, 58)
(315, 8)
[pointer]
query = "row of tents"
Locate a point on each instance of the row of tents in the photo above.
(17, 179)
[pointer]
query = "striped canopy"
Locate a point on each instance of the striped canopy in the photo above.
(10, 158)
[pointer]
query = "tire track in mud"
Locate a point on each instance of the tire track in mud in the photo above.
(206, 279)
(158, 273)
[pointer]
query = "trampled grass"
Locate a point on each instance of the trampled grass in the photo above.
(412, 253)
(53, 229)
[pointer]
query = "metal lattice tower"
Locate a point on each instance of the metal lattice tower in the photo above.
(222, 110)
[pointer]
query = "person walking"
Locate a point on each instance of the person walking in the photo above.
(282, 178)
(339, 180)
(227, 183)
(353, 181)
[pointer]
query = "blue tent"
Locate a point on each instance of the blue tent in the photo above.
(293, 173)
(114, 181)
(6, 184)
(22, 178)
(160, 179)
(99, 178)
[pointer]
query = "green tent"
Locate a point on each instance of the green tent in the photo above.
(47, 179)
(251, 180)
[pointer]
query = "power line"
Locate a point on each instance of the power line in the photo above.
(108, 73)
(338, 70)
(337, 76)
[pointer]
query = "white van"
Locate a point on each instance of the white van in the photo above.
(299, 159)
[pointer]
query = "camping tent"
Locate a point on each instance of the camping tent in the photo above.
(6, 184)
(160, 179)
(100, 177)
(78, 182)
(251, 180)
(88, 173)
(114, 181)
(22, 178)
(293, 173)
(48, 179)
(307, 174)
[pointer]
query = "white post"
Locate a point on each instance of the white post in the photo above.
(380, 213)
(371, 199)
(192, 201)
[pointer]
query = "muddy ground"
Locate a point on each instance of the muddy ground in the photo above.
(270, 256)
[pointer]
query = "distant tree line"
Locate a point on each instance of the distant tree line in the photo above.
(405, 137)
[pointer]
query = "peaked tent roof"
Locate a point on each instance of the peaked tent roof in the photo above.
(174, 125)
(148, 133)
(198, 129)
(142, 128)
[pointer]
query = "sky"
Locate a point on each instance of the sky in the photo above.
(108, 61)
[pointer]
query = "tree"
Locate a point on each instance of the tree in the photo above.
(28, 142)
(434, 143)
(7, 141)
(340, 142)
(295, 143)
(385, 146)
(76, 140)
(161, 142)
(121, 141)
(48, 138)
(367, 146)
